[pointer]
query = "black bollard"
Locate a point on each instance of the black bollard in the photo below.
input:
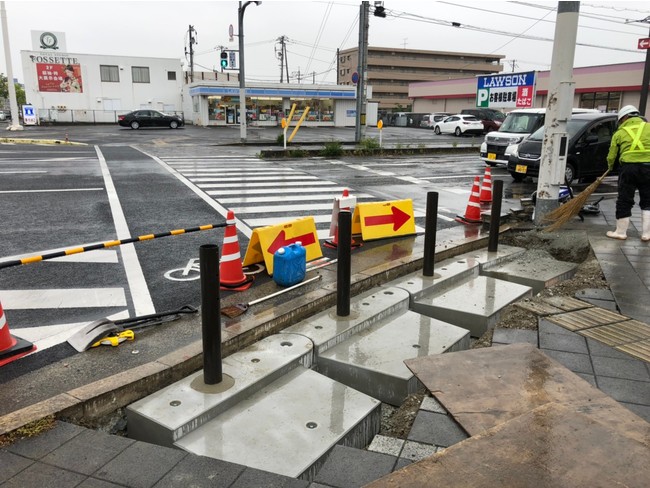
(343, 269)
(430, 224)
(495, 216)
(210, 314)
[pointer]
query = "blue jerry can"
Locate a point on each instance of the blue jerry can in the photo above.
(289, 264)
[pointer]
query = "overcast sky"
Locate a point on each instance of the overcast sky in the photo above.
(521, 31)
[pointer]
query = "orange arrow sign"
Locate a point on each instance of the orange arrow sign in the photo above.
(398, 218)
(281, 240)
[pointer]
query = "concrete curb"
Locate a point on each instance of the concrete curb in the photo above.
(14, 140)
(105, 396)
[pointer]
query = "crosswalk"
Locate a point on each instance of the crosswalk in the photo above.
(262, 193)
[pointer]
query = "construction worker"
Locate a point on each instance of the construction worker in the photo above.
(631, 145)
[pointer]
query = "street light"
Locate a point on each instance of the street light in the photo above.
(242, 79)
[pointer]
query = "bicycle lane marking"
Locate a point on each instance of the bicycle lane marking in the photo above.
(142, 302)
(241, 227)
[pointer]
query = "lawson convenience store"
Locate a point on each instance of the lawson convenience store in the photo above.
(217, 104)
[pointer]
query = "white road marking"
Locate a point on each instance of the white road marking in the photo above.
(63, 190)
(271, 185)
(38, 299)
(286, 198)
(278, 180)
(142, 302)
(264, 209)
(20, 172)
(97, 256)
(277, 191)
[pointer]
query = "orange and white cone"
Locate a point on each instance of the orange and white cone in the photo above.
(11, 347)
(473, 210)
(343, 203)
(486, 187)
(231, 273)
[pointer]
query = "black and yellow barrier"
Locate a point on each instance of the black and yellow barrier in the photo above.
(104, 245)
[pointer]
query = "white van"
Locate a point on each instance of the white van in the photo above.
(518, 124)
(429, 120)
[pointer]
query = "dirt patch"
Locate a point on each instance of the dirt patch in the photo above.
(565, 246)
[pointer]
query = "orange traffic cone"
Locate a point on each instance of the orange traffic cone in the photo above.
(231, 273)
(486, 187)
(473, 210)
(11, 348)
(343, 203)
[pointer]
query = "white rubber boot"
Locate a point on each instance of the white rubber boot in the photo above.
(645, 221)
(621, 229)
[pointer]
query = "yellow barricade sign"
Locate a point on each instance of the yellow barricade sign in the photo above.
(266, 240)
(386, 219)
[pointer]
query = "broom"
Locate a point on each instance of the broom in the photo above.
(566, 212)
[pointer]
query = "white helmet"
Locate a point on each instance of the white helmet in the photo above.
(627, 110)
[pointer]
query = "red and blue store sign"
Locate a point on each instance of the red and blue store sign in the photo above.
(513, 90)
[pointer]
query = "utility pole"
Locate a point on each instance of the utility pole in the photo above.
(360, 123)
(282, 55)
(192, 41)
(643, 99)
(560, 102)
(13, 103)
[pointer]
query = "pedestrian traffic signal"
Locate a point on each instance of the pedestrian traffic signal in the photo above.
(224, 59)
(380, 11)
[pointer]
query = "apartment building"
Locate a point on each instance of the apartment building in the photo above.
(391, 70)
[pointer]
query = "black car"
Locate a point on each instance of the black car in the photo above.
(492, 119)
(589, 137)
(150, 118)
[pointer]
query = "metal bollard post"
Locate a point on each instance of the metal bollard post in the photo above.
(495, 216)
(431, 222)
(344, 264)
(210, 314)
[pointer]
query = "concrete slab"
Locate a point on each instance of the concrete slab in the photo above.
(449, 272)
(289, 426)
(351, 468)
(482, 388)
(327, 329)
(551, 446)
(170, 413)
(372, 361)
(536, 271)
(474, 305)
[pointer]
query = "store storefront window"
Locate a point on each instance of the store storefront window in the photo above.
(603, 101)
(320, 110)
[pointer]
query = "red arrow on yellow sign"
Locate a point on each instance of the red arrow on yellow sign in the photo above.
(397, 218)
(281, 240)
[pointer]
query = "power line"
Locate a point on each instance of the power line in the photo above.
(320, 34)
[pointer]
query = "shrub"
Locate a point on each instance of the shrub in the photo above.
(332, 149)
(369, 144)
(280, 139)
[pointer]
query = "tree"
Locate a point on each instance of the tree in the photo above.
(4, 91)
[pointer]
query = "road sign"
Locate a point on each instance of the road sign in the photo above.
(29, 115)
(644, 43)
(355, 77)
(266, 240)
(230, 32)
(386, 219)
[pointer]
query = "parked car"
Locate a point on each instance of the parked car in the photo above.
(459, 125)
(429, 120)
(150, 118)
(5, 115)
(589, 137)
(491, 118)
(518, 124)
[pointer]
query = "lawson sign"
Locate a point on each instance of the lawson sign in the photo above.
(514, 90)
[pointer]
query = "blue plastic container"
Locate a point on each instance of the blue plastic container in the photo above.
(289, 264)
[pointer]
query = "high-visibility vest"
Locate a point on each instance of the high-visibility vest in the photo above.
(635, 131)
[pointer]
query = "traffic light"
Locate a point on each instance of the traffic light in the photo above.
(380, 11)
(224, 59)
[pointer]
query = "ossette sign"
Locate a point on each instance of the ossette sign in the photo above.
(514, 90)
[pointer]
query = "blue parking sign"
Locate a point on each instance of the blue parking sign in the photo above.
(29, 115)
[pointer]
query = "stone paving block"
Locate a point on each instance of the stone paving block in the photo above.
(629, 369)
(538, 308)
(436, 429)
(605, 304)
(402, 463)
(576, 362)
(39, 446)
(140, 465)
(597, 348)
(201, 472)
(567, 304)
(87, 452)
(95, 483)
(590, 378)
(430, 404)
(629, 391)
(347, 467)
(619, 333)
(255, 478)
(642, 411)
(41, 475)
(386, 445)
(587, 318)
(640, 349)
(514, 336)
(595, 294)
(545, 326)
(12, 464)
(416, 451)
(561, 342)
